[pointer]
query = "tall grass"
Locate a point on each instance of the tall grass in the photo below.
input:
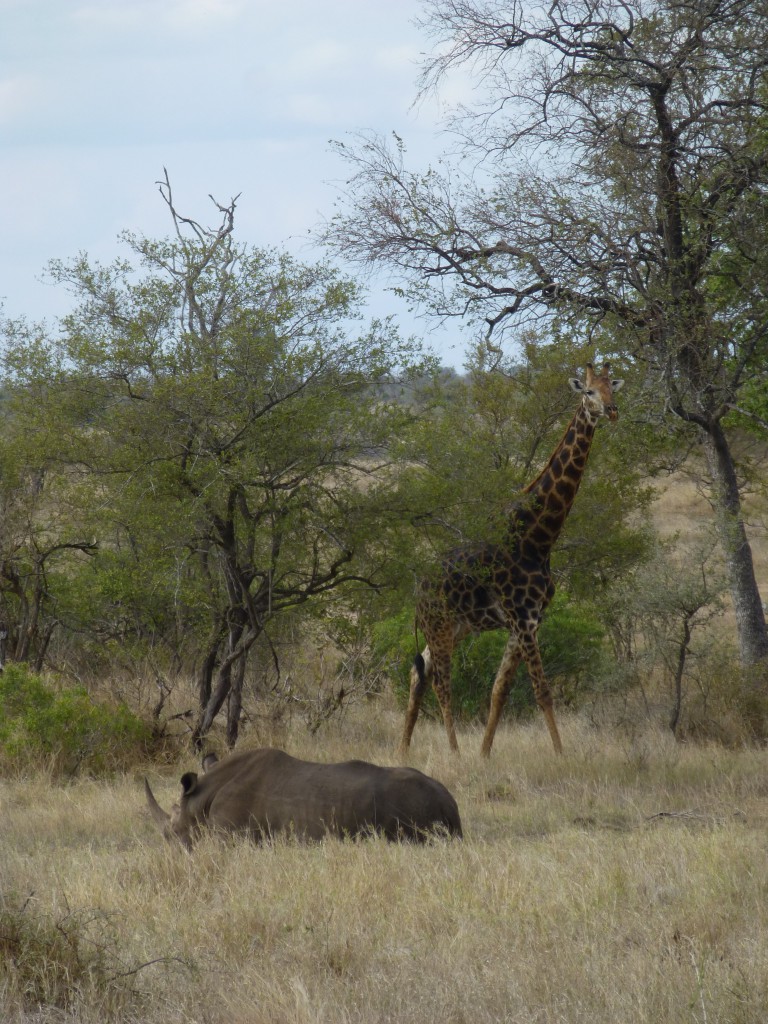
(624, 882)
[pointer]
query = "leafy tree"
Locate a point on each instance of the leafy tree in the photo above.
(657, 611)
(41, 543)
(231, 432)
(621, 195)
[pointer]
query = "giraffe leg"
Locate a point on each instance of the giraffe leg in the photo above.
(441, 684)
(541, 690)
(501, 687)
(421, 676)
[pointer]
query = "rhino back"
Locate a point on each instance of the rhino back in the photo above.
(356, 797)
(312, 799)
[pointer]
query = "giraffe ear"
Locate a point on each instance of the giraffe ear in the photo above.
(617, 385)
(576, 384)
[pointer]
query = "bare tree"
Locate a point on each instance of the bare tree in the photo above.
(620, 161)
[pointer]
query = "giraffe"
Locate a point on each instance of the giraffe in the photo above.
(509, 585)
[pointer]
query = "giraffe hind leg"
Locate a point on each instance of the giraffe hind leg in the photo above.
(421, 675)
(429, 667)
(441, 684)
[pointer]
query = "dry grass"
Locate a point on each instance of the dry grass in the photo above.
(626, 881)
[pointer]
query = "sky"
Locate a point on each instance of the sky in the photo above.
(231, 96)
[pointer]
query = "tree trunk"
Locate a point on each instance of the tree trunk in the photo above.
(235, 706)
(682, 654)
(241, 642)
(43, 644)
(750, 618)
(205, 674)
(214, 705)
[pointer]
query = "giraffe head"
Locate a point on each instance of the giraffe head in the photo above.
(597, 391)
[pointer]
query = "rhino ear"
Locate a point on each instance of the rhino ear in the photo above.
(209, 761)
(188, 783)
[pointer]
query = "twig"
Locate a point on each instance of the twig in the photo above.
(149, 963)
(692, 816)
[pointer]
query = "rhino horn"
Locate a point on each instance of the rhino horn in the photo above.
(161, 817)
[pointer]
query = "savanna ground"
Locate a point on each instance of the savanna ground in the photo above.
(625, 881)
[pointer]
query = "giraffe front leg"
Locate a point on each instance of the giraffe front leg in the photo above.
(501, 687)
(541, 690)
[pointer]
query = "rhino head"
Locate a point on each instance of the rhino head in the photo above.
(179, 824)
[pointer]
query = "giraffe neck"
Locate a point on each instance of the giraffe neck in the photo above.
(538, 519)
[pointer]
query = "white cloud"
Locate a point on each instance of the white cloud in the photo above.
(203, 11)
(19, 95)
(151, 16)
(231, 95)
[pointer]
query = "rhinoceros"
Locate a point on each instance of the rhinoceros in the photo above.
(266, 792)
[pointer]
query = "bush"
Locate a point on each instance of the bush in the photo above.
(57, 963)
(64, 727)
(52, 967)
(724, 701)
(572, 650)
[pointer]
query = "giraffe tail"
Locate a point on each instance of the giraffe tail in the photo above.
(420, 668)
